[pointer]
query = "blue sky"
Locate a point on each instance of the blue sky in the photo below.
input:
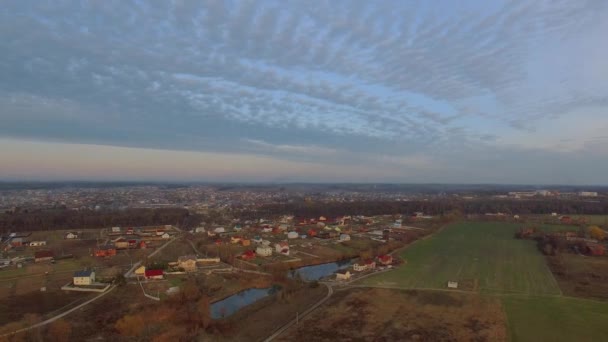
(354, 91)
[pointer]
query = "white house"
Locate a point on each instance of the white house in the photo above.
(71, 235)
(343, 275)
(219, 230)
(165, 236)
(283, 227)
(292, 235)
(344, 237)
(37, 243)
(364, 266)
(267, 229)
(199, 229)
(115, 229)
(84, 278)
(282, 248)
(263, 251)
(452, 284)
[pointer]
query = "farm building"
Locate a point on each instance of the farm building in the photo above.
(187, 262)
(37, 243)
(71, 236)
(368, 264)
(105, 251)
(282, 248)
(343, 275)
(263, 251)
(41, 256)
(85, 277)
(154, 274)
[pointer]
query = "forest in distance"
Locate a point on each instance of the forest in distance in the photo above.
(62, 218)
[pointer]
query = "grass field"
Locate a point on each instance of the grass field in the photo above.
(555, 319)
(483, 253)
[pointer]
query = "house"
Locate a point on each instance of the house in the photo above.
(219, 230)
(565, 219)
(41, 256)
(283, 227)
(245, 242)
(235, 239)
(154, 274)
(17, 242)
(267, 229)
(85, 277)
(248, 255)
(199, 230)
(452, 284)
(129, 231)
(105, 251)
(385, 259)
(166, 236)
(322, 218)
(160, 232)
(282, 248)
(187, 262)
(37, 243)
(595, 249)
(121, 243)
(237, 228)
(210, 233)
(344, 237)
(257, 239)
(312, 233)
(71, 235)
(263, 251)
(115, 229)
(140, 271)
(343, 275)
(292, 235)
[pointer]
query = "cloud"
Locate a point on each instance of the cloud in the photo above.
(342, 80)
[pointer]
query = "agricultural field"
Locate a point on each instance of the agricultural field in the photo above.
(403, 315)
(580, 275)
(483, 256)
(555, 319)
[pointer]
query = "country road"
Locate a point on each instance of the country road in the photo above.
(54, 318)
(330, 292)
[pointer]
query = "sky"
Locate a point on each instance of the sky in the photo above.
(305, 91)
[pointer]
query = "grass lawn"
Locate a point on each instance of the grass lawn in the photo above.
(555, 319)
(482, 253)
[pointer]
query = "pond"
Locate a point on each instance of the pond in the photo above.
(230, 305)
(316, 272)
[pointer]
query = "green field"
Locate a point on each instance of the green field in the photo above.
(556, 319)
(483, 252)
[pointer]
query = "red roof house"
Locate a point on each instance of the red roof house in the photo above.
(385, 259)
(248, 255)
(154, 274)
(596, 249)
(43, 256)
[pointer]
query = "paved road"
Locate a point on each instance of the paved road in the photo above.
(54, 318)
(330, 292)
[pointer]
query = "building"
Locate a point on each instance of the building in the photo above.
(115, 229)
(245, 242)
(105, 251)
(235, 239)
(187, 262)
(71, 235)
(219, 230)
(452, 284)
(140, 271)
(368, 264)
(199, 229)
(343, 275)
(587, 194)
(263, 251)
(208, 260)
(595, 249)
(165, 236)
(154, 274)
(385, 259)
(85, 277)
(41, 256)
(248, 255)
(282, 248)
(344, 237)
(292, 235)
(37, 243)
(121, 243)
